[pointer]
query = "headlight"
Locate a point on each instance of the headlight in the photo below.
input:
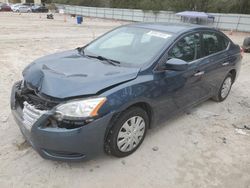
(81, 108)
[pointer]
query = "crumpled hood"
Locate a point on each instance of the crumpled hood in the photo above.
(68, 74)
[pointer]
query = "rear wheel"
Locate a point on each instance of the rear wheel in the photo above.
(128, 132)
(224, 89)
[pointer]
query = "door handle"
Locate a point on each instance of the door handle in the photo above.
(200, 73)
(225, 63)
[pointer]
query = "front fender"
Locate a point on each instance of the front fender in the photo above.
(140, 90)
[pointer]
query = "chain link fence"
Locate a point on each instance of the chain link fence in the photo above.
(235, 22)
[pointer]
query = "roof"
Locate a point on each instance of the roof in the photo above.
(168, 27)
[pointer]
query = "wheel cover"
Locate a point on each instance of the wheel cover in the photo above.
(131, 133)
(226, 87)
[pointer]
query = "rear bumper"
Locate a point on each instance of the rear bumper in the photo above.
(59, 143)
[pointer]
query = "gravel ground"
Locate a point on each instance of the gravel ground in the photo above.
(206, 147)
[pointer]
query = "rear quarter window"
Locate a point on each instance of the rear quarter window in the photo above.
(225, 42)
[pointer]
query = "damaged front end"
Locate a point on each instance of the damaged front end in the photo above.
(24, 93)
(50, 135)
(32, 106)
(59, 105)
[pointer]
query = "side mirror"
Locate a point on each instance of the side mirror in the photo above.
(176, 65)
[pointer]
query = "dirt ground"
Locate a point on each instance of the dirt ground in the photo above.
(209, 146)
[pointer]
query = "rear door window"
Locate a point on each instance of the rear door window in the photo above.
(213, 43)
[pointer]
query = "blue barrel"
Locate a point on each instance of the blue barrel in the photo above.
(79, 19)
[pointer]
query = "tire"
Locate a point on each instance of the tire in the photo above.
(225, 89)
(121, 140)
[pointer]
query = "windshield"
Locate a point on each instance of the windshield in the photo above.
(129, 45)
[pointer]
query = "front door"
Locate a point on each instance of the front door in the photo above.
(181, 89)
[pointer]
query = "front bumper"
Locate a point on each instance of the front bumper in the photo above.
(64, 144)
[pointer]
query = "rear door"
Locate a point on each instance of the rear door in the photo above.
(215, 60)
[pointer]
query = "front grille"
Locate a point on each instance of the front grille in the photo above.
(38, 102)
(31, 114)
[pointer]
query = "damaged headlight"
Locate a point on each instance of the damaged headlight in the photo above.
(80, 108)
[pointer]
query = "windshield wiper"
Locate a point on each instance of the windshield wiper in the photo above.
(110, 61)
(80, 50)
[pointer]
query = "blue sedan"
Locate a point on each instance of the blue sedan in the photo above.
(105, 96)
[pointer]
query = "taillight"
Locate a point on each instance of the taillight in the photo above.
(241, 51)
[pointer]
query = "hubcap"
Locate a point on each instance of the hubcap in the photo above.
(226, 87)
(131, 133)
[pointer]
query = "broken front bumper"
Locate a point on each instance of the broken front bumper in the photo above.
(60, 143)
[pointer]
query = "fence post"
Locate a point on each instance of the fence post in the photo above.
(238, 23)
(122, 14)
(133, 15)
(217, 25)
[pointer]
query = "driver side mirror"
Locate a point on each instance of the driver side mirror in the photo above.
(176, 65)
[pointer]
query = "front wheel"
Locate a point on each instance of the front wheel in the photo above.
(224, 89)
(128, 132)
